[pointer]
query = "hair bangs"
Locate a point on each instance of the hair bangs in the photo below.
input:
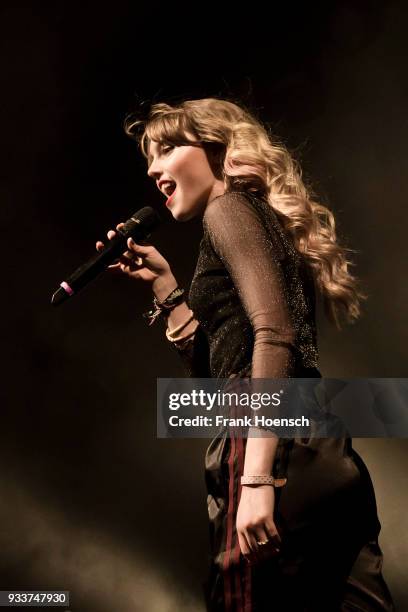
(168, 128)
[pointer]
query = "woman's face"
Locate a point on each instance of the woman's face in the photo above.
(184, 175)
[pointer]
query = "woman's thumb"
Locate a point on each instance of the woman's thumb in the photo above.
(138, 248)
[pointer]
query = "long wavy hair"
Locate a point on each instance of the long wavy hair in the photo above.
(250, 158)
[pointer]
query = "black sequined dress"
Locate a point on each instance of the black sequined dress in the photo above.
(254, 299)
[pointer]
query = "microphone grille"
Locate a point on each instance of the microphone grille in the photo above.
(147, 217)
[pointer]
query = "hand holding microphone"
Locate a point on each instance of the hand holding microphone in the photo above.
(141, 262)
(138, 261)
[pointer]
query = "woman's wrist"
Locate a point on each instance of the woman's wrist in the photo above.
(259, 455)
(163, 286)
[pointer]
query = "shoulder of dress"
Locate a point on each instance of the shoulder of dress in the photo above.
(246, 202)
(227, 196)
(226, 202)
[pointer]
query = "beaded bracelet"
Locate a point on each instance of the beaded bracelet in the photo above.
(165, 306)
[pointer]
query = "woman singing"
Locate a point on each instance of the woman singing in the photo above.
(278, 542)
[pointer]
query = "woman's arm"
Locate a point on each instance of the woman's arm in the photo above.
(260, 452)
(155, 270)
(162, 287)
(244, 245)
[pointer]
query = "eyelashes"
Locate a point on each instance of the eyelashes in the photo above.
(167, 148)
(162, 150)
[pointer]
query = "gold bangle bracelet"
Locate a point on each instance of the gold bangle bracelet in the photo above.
(182, 337)
(171, 333)
(182, 344)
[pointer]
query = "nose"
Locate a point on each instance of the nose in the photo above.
(154, 171)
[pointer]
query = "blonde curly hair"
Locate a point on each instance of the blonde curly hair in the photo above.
(251, 158)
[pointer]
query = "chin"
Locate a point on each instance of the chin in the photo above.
(181, 215)
(185, 209)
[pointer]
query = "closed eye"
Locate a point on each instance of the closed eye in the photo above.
(162, 149)
(167, 148)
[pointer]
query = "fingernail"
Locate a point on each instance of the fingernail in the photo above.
(131, 241)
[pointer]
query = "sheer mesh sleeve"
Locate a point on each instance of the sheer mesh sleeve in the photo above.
(247, 250)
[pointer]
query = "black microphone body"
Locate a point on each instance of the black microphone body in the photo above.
(138, 227)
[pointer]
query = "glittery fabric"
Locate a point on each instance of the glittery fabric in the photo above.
(251, 293)
(254, 299)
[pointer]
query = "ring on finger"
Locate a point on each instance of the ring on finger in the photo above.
(262, 542)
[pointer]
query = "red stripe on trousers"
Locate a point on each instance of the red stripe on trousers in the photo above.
(237, 550)
(233, 554)
(230, 517)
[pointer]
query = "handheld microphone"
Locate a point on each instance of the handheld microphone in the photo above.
(139, 226)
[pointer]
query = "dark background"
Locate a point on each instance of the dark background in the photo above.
(90, 500)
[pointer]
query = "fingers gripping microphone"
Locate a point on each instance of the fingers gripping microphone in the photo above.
(139, 226)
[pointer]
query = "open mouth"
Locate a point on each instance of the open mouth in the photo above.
(170, 189)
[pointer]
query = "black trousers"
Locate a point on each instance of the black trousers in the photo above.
(330, 560)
